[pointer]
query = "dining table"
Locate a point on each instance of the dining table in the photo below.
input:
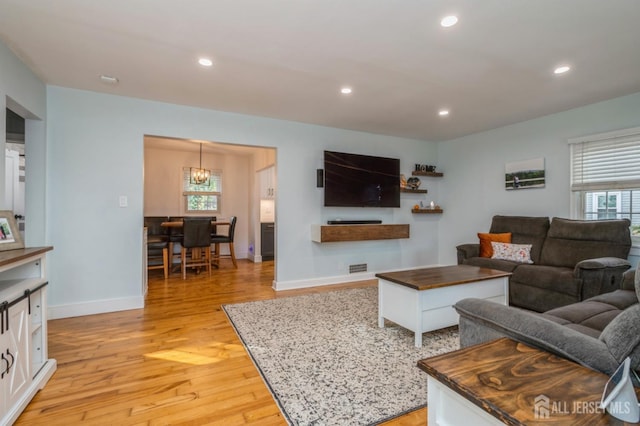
(180, 224)
(196, 251)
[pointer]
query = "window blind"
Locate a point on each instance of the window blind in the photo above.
(609, 161)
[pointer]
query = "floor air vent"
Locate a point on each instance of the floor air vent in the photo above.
(361, 267)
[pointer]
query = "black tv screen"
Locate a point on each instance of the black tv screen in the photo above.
(353, 180)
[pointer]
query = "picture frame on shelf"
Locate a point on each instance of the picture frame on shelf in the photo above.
(10, 237)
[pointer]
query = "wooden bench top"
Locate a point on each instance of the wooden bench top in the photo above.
(441, 276)
(507, 379)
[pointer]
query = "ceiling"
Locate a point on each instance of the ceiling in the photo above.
(288, 59)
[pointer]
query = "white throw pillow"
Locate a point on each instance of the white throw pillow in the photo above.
(515, 252)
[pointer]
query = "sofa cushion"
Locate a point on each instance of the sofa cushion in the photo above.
(520, 253)
(483, 262)
(485, 242)
(524, 230)
(622, 336)
(592, 316)
(481, 320)
(571, 241)
(553, 278)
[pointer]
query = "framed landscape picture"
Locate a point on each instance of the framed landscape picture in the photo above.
(10, 238)
(524, 174)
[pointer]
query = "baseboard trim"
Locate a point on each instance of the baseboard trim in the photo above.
(339, 279)
(316, 282)
(95, 307)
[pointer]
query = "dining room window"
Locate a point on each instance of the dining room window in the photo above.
(202, 198)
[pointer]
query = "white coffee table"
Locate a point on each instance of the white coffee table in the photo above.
(421, 300)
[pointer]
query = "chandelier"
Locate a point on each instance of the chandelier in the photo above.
(199, 176)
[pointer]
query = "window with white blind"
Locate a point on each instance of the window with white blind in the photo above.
(605, 177)
(202, 198)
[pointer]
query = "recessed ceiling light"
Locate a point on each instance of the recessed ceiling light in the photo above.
(443, 112)
(449, 21)
(107, 79)
(562, 69)
(346, 90)
(205, 62)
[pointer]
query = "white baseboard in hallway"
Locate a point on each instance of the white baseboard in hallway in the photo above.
(94, 307)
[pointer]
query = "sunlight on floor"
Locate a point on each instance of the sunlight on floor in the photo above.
(196, 355)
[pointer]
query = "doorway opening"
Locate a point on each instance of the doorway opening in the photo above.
(15, 167)
(240, 169)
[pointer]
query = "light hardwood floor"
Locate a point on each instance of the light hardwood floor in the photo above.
(178, 361)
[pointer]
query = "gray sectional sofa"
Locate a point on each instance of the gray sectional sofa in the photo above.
(598, 333)
(573, 260)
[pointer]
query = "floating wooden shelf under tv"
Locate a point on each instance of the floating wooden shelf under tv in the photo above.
(340, 233)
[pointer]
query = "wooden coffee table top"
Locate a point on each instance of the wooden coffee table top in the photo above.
(504, 378)
(441, 276)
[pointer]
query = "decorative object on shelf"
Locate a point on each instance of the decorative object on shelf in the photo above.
(403, 181)
(432, 208)
(10, 237)
(413, 183)
(199, 176)
(524, 174)
(425, 168)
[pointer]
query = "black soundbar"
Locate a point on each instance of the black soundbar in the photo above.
(352, 222)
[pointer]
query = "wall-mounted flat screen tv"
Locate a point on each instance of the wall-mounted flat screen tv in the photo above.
(354, 180)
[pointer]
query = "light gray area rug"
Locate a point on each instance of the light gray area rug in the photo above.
(327, 362)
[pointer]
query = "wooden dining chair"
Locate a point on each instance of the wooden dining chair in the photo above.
(157, 244)
(218, 239)
(175, 236)
(196, 244)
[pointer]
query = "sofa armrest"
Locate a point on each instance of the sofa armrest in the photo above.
(604, 262)
(629, 280)
(600, 275)
(482, 320)
(467, 251)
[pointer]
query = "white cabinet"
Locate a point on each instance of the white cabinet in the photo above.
(268, 183)
(24, 363)
(15, 352)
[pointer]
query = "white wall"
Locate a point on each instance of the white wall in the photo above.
(96, 155)
(473, 186)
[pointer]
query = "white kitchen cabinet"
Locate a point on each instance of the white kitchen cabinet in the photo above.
(24, 363)
(268, 183)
